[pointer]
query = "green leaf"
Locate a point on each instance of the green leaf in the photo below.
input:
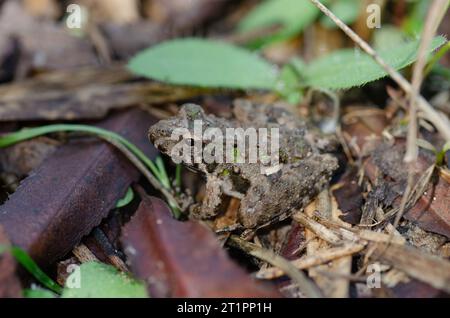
(415, 21)
(204, 63)
(129, 196)
(388, 36)
(38, 293)
(30, 265)
(346, 10)
(98, 280)
(348, 68)
(289, 82)
(293, 15)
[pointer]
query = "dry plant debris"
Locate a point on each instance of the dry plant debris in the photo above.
(357, 206)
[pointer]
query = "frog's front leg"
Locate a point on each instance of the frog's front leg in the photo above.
(215, 200)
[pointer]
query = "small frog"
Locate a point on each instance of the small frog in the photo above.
(266, 191)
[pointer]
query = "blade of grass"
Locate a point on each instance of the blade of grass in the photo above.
(178, 176)
(30, 265)
(442, 51)
(29, 133)
(176, 211)
(162, 170)
(133, 153)
(129, 196)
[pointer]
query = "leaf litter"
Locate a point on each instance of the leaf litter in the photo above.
(73, 193)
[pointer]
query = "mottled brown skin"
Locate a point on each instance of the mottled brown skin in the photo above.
(304, 170)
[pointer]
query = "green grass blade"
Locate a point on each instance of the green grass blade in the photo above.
(29, 133)
(30, 265)
(129, 196)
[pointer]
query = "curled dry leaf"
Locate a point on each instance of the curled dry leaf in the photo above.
(72, 191)
(182, 259)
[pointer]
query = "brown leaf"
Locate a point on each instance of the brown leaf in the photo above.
(52, 47)
(72, 191)
(349, 197)
(21, 158)
(415, 289)
(9, 283)
(427, 268)
(294, 240)
(82, 94)
(181, 14)
(431, 212)
(361, 127)
(182, 259)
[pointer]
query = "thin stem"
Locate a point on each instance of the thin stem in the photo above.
(431, 114)
(432, 22)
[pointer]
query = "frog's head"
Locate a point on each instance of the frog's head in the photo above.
(168, 132)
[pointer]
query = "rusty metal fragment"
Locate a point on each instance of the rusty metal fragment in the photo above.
(182, 259)
(73, 190)
(9, 282)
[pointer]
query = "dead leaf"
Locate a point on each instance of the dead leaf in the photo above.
(182, 259)
(50, 48)
(9, 283)
(72, 191)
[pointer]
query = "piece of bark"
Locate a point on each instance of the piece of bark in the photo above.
(9, 283)
(182, 259)
(73, 190)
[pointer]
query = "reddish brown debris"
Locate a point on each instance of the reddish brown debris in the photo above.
(431, 212)
(349, 197)
(295, 240)
(9, 283)
(72, 191)
(183, 259)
